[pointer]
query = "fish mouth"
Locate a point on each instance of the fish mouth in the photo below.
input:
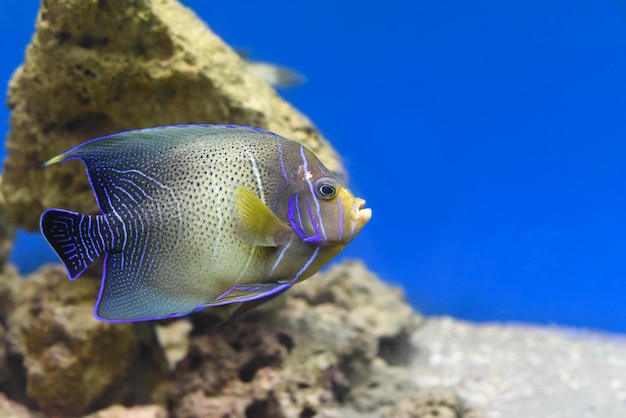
(359, 213)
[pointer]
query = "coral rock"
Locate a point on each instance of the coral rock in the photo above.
(119, 411)
(10, 409)
(73, 363)
(334, 346)
(9, 284)
(174, 339)
(324, 349)
(364, 325)
(99, 67)
(11, 371)
(375, 307)
(7, 231)
(436, 402)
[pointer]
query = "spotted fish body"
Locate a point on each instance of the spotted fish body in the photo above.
(201, 215)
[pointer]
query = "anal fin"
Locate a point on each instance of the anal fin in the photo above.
(251, 304)
(246, 292)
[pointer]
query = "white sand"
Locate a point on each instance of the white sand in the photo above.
(525, 371)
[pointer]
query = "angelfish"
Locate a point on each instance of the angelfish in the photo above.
(197, 216)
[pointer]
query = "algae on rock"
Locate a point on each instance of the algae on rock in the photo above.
(100, 67)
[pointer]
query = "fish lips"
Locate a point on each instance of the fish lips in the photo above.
(359, 213)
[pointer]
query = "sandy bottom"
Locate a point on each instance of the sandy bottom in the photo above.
(525, 371)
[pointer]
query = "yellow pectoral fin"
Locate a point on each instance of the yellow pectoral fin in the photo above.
(262, 225)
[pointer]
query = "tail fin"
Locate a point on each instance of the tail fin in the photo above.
(62, 229)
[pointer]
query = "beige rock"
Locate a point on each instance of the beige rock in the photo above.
(9, 283)
(72, 362)
(11, 409)
(376, 307)
(434, 402)
(174, 339)
(12, 382)
(5, 376)
(7, 231)
(119, 411)
(326, 352)
(100, 67)
(364, 325)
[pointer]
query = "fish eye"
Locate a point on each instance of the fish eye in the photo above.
(325, 188)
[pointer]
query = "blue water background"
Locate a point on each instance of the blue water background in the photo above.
(488, 137)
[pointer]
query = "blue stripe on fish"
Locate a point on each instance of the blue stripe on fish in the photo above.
(317, 237)
(292, 211)
(307, 177)
(306, 266)
(340, 217)
(282, 161)
(280, 256)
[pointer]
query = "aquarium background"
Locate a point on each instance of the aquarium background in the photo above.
(487, 136)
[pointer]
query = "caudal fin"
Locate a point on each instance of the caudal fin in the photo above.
(68, 234)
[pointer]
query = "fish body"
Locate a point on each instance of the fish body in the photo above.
(196, 216)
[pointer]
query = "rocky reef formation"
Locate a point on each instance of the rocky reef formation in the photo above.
(100, 67)
(7, 231)
(336, 346)
(62, 360)
(342, 344)
(327, 346)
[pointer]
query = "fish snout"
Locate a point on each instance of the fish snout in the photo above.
(360, 214)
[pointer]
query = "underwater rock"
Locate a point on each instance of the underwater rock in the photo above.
(335, 346)
(436, 402)
(12, 381)
(329, 344)
(9, 283)
(119, 411)
(7, 231)
(72, 363)
(5, 376)
(373, 306)
(366, 325)
(174, 339)
(100, 67)
(11, 409)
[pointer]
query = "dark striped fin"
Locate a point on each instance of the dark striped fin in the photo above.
(74, 237)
